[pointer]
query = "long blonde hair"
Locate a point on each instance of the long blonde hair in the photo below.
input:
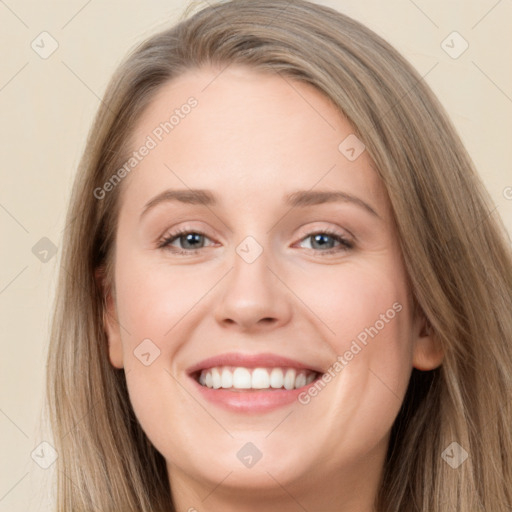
(453, 243)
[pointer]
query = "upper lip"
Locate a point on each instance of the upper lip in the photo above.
(264, 360)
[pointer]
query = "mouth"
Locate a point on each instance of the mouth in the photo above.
(252, 383)
(243, 379)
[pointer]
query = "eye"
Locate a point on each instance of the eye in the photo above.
(324, 242)
(191, 241)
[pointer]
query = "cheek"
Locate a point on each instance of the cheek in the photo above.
(152, 300)
(365, 303)
(155, 307)
(366, 315)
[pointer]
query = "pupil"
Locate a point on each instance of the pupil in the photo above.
(321, 239)
(190, 237)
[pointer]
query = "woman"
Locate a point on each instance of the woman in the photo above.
(261, 369)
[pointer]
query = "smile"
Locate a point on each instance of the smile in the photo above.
(241, 378)
(252, 383)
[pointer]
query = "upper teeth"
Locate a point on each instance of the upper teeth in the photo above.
(255, 378)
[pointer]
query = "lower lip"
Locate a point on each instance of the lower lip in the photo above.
(251, 401)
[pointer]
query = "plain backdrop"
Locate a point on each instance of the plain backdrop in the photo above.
(47, 104)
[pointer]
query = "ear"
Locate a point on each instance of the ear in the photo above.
(110, 321)
(428, 353)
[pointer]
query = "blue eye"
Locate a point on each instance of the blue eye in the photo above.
(323, 242)
(326, 239)
(187, 238)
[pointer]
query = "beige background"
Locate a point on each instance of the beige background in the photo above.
(47, 106)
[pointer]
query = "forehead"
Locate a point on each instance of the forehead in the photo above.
(242, 132)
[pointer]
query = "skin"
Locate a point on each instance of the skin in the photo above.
(252, 139)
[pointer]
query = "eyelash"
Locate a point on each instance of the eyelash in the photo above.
(166, 241)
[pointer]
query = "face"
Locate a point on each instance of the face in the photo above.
(281, 282)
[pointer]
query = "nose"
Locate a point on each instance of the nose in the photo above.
(253, 297)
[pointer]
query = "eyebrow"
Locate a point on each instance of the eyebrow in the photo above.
(300, 198)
